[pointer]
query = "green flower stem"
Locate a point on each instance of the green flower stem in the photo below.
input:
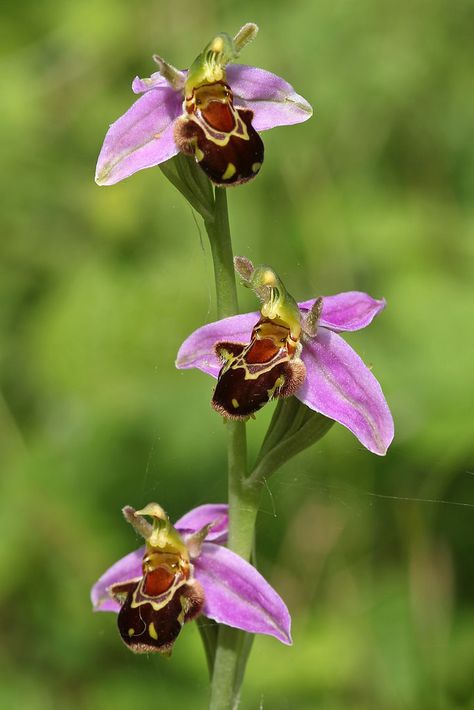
(293, 428)
(218, 230)
(232, 646)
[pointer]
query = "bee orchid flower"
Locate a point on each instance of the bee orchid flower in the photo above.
(293, 349)
(212, 112)
(183, 571)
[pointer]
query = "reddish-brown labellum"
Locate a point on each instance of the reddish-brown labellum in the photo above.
(219, 136)
(155, 607)
(253, 374)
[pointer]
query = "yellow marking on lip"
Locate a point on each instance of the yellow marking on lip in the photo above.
(229, 171)
(256, 167)
(152, 631)
(184, 610)
(279, 382)
(199, 154)
(131, 632)
(235, 403)
(218, 137)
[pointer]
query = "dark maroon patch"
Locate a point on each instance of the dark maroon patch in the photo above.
(238, 398)
(245, 155)
(145, 629)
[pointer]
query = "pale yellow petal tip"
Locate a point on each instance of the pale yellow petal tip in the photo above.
(101, 177)
(303, 105)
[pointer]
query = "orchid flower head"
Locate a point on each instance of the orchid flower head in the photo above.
(213, 112)
(293, 349)
(183, 571)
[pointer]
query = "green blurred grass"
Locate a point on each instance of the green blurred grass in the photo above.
(100, 286)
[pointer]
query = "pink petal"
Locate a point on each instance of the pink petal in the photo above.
(339, 385)
(141, 138)
(197, 518)
(351, 310)
(237, 595)
(273, 101)
(127, 568)
(198, 350)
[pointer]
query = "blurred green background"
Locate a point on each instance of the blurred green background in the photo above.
(99, 286)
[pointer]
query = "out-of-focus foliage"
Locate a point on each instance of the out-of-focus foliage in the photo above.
(100, 285)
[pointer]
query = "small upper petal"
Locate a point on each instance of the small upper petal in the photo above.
(141, 138)
(339, 385)
(198, 350)
(155, 81)
(203, 515)
(237, 595)
(272, 99)
(351, 310)
(124, 570)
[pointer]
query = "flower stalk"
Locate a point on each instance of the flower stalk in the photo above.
(232, 645)
(218, 230)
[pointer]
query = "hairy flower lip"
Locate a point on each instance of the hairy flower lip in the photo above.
(236, 594)
(143, 136)
(338, 384)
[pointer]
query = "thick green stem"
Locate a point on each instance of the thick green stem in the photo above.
(233, 646)
(218, 230)
(243, 500)
(292, 429)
